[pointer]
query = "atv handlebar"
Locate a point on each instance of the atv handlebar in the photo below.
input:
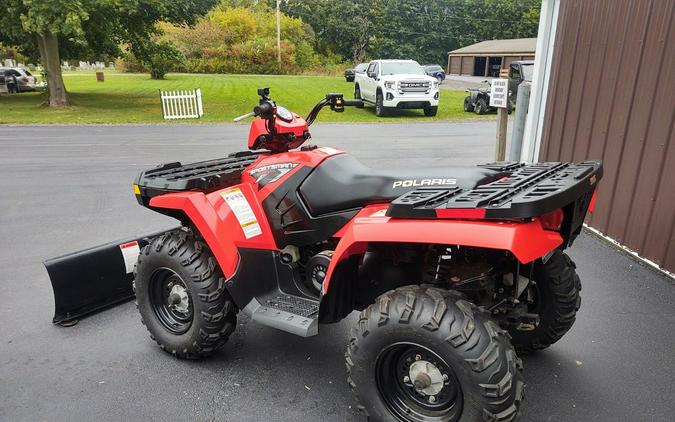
(244, 116)
(267, 108)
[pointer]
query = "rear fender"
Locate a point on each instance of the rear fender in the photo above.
(527, 241)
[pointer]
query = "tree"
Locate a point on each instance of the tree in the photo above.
(56, 27)
(424, 31)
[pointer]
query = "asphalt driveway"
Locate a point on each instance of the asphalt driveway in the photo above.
(66, 188)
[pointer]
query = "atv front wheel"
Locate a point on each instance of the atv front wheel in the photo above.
(468, 107)
(181, 296)
(555, 298)
(481, 106)
(425, 354)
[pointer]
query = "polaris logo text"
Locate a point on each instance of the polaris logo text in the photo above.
(424, 182)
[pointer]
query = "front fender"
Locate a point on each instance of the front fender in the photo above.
(527, 241)
(197, 208)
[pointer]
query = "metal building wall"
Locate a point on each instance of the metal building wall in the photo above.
(612, 96)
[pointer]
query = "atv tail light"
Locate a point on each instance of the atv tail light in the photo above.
(591, 206)
(552, 220)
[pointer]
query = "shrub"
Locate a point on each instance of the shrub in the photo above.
(162, 58)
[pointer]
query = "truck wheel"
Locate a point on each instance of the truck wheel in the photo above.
(481, 106)
(357, 93)
(430, 111)
(380, 110)
(181, 296)
(423, 354)
(468, 107)
(555, 297)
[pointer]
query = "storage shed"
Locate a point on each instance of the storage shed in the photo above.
(487, 58)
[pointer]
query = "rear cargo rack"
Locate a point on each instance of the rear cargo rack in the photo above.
(526, 191)
(204, 176)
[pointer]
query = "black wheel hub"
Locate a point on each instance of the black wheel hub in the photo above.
(416, 384)
(171, 301)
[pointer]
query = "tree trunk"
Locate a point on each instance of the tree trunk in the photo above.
(48, 45)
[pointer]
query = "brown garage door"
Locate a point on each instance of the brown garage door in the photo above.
(467, 65)
(611, 97)
(507, 61)
(455, 65)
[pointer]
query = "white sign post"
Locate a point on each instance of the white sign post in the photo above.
(499, 93)
(499, 97)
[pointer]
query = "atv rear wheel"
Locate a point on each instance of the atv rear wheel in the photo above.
(555, 297)
(181, 296)
(425, 354)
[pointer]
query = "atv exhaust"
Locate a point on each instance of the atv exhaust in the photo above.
(94, 279)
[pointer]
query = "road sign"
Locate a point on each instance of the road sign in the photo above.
(499, 93)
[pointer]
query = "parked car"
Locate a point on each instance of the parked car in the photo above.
(18, 79)
(435, 71)
(350, 73)
(478, 100)
(519, 71)
(402, 84)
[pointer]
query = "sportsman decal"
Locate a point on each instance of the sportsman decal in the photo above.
(271, 173)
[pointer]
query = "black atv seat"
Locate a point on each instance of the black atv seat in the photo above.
(342, 183)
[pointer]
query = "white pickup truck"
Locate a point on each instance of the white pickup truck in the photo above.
(401, 84)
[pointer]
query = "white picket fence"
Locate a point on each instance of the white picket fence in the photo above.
(182, 104)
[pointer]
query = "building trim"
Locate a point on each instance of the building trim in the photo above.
(548, 23)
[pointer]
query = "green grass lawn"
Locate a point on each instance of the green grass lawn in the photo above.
(134, 98)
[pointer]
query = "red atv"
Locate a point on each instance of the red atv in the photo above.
(453, 269)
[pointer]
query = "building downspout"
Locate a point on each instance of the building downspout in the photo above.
(548, 22)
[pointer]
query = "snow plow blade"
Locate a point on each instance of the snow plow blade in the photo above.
(93, 279)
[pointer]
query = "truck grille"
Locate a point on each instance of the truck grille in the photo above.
(414, 86)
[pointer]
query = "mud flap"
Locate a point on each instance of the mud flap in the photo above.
(94, 279)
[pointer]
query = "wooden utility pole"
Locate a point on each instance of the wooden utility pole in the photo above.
(499, 97)
(278, 33)
(502, 122)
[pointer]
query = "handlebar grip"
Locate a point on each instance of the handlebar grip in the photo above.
(245, 116)
(355, 103)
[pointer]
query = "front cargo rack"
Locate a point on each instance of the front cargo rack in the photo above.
(204, 176)
(525, 191)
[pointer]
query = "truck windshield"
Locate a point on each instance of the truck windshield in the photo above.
(395, 68)
(527, 72)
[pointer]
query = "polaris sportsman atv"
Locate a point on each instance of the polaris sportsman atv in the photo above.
(454, 270)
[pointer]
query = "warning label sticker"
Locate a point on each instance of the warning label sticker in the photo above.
(130, 252)
(242, 210)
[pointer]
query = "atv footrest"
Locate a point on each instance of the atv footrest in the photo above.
(293, 314)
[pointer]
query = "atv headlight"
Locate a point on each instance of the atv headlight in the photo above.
(389, 84)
